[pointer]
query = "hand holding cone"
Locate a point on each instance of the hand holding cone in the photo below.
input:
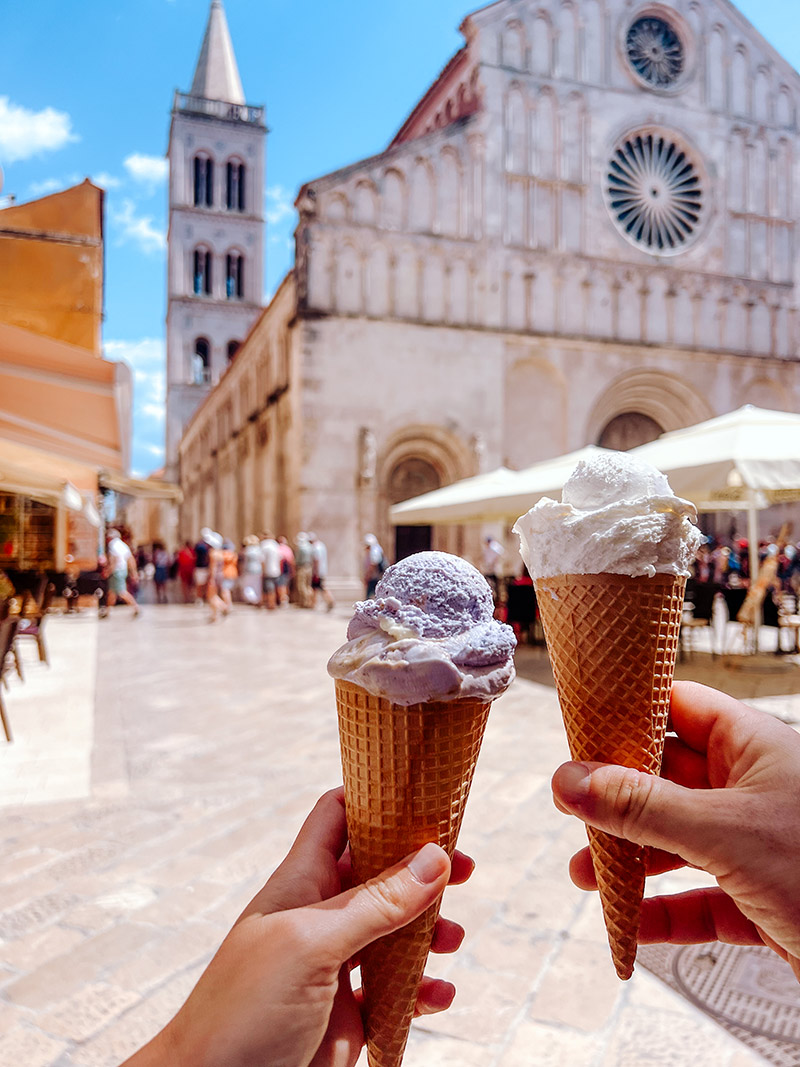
(612, 642)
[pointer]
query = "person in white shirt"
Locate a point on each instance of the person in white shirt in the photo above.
(493, 552)
(271, 556)
(121, 563)
(319, 572)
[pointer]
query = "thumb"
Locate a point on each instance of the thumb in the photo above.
(645, 809)
(383, 904)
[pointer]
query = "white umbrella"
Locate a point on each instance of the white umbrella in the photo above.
(501, 495)
(745, 460)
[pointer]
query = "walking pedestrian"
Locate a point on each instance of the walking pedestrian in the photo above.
(374, 565)
(319, 572)
(271, 554)
(161, 562)
(492, 553)
(230, 574)
(303, 568)
(252, 571)
(215, 573)
(121, 564)
(201, 564)
(287, 571)
(186, 562)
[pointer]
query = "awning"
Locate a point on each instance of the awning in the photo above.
(144, 488)
(43, 476)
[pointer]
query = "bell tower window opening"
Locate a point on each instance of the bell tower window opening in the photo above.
(203, 181)
(201, 362)
(233, 348)
(234, 276)
(234, 186)
(202, 280)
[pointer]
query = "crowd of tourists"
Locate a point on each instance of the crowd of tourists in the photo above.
(264, 571)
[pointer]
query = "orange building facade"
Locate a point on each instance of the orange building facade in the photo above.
(64, 410)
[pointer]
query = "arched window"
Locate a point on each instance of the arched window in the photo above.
(202, 272)
(203, 181)
(234, 276)
(234, 185)
(201, 362)
(233, 348)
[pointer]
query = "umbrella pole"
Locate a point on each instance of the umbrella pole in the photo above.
(752, 539)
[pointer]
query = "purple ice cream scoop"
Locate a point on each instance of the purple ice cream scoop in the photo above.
(428, 635)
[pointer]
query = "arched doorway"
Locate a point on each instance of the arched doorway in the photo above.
(412, 477)
(629, 430)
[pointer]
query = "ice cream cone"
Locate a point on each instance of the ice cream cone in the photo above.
(612, 641)
(407, 775)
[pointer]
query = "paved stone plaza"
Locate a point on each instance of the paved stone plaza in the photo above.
(160, 770)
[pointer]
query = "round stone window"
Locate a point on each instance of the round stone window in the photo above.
(654, 191)
(655, 51)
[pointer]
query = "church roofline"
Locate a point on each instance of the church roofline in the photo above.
(453, 64)
(394, 150)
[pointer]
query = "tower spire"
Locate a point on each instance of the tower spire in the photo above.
(217, 75)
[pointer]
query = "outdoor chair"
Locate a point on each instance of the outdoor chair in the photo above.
(33, 625)
(8, 631)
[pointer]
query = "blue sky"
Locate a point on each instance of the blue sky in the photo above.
(87, 89)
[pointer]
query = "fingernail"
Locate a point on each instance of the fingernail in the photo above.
(573, 783)
(428, 864)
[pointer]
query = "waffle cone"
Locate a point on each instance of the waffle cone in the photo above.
(407, 775)
(612, 641)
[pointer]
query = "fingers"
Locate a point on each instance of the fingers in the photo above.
(447, 936)
(434, 995)
(696, 710)
(682, 765)
(462, 867)
(646, 809)
(581, 869)
(694, 918)
(383, 904)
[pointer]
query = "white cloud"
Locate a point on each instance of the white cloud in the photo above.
(140, 229)
(25, 133)
(151, 170)
(48, 185)
(106, 181)
(280, 204)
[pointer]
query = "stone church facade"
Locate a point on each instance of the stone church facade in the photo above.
(584, 233)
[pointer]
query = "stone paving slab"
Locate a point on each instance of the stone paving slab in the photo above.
(208, 745)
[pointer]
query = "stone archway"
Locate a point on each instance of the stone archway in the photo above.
(414, 460)
(411, 477)
(629, 430)
(670, 402)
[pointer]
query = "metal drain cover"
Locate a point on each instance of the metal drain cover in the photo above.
(749, 991)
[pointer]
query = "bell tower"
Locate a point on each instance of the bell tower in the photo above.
(215, 241)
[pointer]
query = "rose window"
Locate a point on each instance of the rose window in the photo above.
(655, 51)
(654, 191)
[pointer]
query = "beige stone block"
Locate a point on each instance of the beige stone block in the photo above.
(542, 905)
(435, 1050)
(63, 976)
(535, 1044)
(501, 950)
(483, 1009)
(579, 988)
(36, 950)
(25, 1045)
(88, 1011)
